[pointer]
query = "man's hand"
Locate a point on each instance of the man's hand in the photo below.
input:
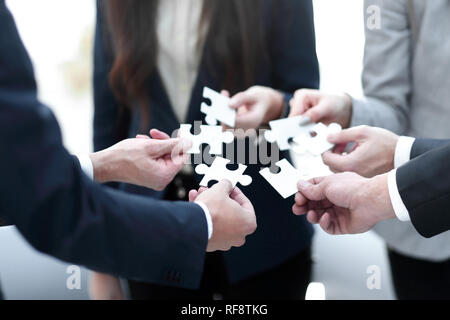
(256, 106)
(372, 153)
(322, 107)
(151, 163)
(232, 213)
(344, 203)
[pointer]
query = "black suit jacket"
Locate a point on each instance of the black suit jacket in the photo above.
(293, 64)
(424, 186)
(61, 212)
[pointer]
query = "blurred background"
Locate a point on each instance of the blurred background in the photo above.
(59, 34)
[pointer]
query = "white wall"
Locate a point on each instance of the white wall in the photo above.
(52, 31)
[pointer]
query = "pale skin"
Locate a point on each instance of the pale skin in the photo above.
(374, 148)
(256, 106)
(153, 163)
(372, 153)
(322, 107)
(344, 203)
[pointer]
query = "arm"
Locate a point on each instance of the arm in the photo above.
(387, 82)
(422, 146)
(347, 203)
(292, 46)
(386, 78)
(293, 59)
(61, 212)
(424, 186)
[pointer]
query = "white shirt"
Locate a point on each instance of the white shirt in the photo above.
(402, 156)
(179, 50)
(88, 169)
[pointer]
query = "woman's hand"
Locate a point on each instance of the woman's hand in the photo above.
(151, 163)
(372, 154)
(322, 107)
(256, 106)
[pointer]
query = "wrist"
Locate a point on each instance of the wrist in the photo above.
(347, 107)
(379, 196)
(103, 165)
(275, 108)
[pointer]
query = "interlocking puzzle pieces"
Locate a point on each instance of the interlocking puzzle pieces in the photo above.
(219, 110)
(218, 171)
(214, 136)
(284, 129)
(317, 144)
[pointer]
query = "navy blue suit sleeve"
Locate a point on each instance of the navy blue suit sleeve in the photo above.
(292, 45)
(422, 146)
(106, 107)
(61, 212)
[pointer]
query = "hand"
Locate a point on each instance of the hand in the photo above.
(256, 106)
(322, 107)
(344, 203)
(151, 163)
(232, 214)
(372, 153)
(105, 287)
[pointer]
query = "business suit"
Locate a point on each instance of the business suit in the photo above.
(61, 212)
(424, 185)
(293, 64)
(405, 80)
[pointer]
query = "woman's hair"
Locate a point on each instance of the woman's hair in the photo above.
(234, 45)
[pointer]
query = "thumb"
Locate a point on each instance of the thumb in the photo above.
(313, 192)
(241, 99)
(318, 112)
(337, 162)
(159, 148)
(223, 187)
(345, 136)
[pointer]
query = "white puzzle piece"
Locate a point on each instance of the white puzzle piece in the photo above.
(311, 165)
(285, 182)
(219, 110)
(318, 144)
(214, 136)
(219, 171)
(285, 129)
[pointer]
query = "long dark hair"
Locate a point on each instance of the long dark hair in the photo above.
(234, 45)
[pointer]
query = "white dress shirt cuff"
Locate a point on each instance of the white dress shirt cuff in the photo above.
(86, 165)
(397, 203)
(403, 151)
(208, 218)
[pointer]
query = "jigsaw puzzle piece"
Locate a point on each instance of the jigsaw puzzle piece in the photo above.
(214, 136)
(311, 165)
(284, 129)
(218, 171)
(317, 144)
(285, 182)
(219, 110)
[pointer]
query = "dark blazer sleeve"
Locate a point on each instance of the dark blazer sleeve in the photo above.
(293, 46)
(61, 212)
(422, 146)
(424, 186)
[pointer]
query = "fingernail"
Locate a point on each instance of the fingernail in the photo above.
(303, 184)
(332, 137)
